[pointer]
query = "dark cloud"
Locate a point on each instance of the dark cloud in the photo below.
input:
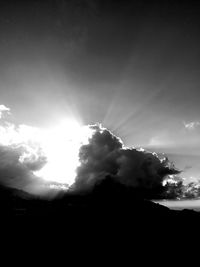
(98, 158)
(176, 189)
(191, 190)
(16, 171)
(105, 155)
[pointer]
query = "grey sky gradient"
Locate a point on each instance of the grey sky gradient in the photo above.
(132, 66)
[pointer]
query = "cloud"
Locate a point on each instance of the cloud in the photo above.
(191, 125)
(191, 190)
(17, 170)
(105, 155)
(20, 156)
(98, 158)
(4, 109)
(17, 173)
(177, 189)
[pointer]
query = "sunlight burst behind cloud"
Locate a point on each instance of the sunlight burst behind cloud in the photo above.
(70, 155)
(58, 146)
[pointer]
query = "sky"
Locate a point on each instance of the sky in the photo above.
(131, 65)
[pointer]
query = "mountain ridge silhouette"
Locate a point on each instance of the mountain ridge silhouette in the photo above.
(107, 198)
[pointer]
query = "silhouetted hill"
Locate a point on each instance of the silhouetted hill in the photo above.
(107, 199)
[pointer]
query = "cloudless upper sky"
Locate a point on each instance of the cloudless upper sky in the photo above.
(132, 65)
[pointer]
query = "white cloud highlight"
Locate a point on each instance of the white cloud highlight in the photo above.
(191, 125)
(3, 109)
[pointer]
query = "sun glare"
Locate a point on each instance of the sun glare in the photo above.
(61, 146)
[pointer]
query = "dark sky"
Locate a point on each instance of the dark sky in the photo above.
(132, 65)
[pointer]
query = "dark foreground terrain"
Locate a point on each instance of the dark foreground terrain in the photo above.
(110, 214)
(106, 201)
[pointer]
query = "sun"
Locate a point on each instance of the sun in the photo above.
(61, 146)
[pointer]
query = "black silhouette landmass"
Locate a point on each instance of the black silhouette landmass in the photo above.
(108, 200)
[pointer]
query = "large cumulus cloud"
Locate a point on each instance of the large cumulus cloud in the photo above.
(105, 155)
(98, 158)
